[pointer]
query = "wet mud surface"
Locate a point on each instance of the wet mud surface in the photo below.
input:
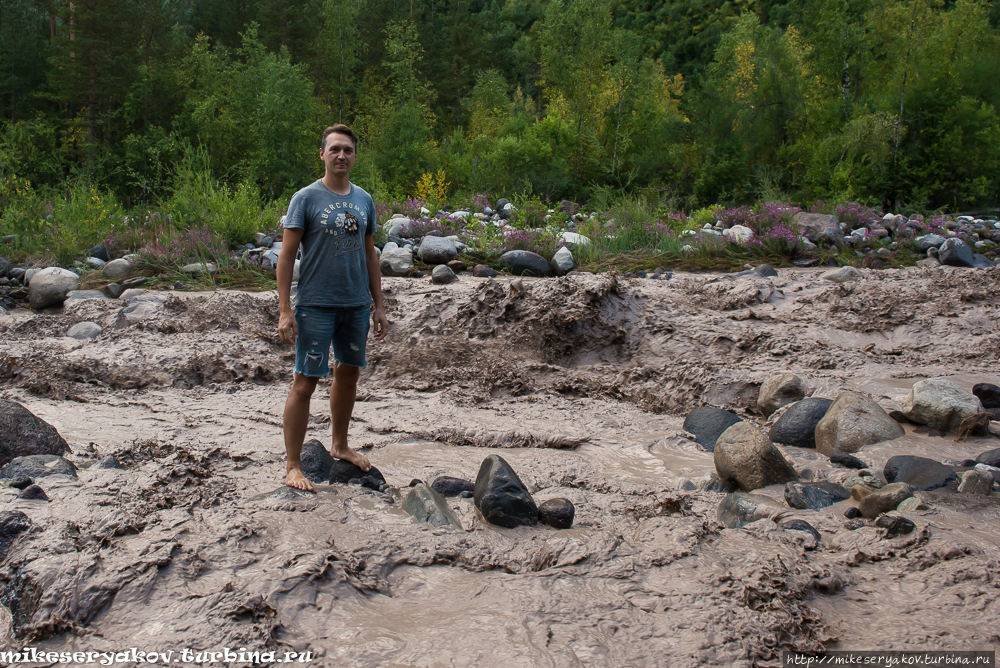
(583, 384)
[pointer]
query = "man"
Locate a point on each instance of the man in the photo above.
(339, 280)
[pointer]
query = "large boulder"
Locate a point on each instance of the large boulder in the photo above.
(744, 456)
(797, 425)
(398, 262)
(812, 225)
(814, 495)
(976, 482)
(428, 506)
(738, 509)
(562, 262)
(316, 462)
(573, 241)
(37, 466)
(940, 403)
(988, 394)
(22, 434)
(707, 423)
(928, 241)
(885, 499)
(437, 250)
(780, 390)
(990, 458)
(117, 268)
(397, 227)
(956, 253)
(501, 496)
(920, 473)
(852, 422)
(49, 286)
(524, 263)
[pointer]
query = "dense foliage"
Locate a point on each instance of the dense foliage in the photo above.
(892, 103)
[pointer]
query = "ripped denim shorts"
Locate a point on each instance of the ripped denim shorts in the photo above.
(345, 328)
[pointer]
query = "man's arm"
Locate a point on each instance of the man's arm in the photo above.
(290, 240)
(375, 287)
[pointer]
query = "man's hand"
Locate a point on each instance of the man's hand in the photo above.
(287, 329)
(381, 323)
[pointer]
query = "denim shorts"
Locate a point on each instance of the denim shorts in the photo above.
(345, 328)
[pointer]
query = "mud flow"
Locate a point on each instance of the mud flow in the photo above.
(582, 383)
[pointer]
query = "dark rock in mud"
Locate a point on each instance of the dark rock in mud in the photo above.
(707, 423)
(415, 482)
(22, 434)
(130, 283)
(109, 462)
(797, 425)
(895, 525)
(447, 486)
(814, 495)
(765, 271)
(988, 394)
(12, 524)
(37, 466)
(847, 461)
(739, 508)
(501, 496)
(525, 263)
(347, 473)
(317, 462)
(22, 483)
(851, 513)
(990, 458)
(426, 505)
(33, 492)
(855, 524)
(557, 513)
(100, 252)
(921, 473)
(885, 499)
(482, 271)
(800, 525)
(745, 456)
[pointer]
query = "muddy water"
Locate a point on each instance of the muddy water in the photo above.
(185, 546)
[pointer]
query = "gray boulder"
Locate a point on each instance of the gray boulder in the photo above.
(525, 263)
(398, 262)
(885, 499)
(956, 253)
(501, 496)
(842, 275)
(982, 262)
(990, 458)
(557, 513)
(200, 269)
(442, 274)
(573, 240)
(23, 434)
(437, 250)
(37, 466)
(99, 252)
(976, 482)
(920, 473)
(814, 495)
(744, 456)
(928, 241)
(812, 225)
(707, 423)
(117, 268)
(797, 425)
(428, 506)
(346, 473)
(739, 509)
(85, 295)
(852, 422)
(780, 390)
(49, 286)
(940, 403)
(562, 262)
(84, 330)
(397, 227)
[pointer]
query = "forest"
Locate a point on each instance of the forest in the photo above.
(189, 106)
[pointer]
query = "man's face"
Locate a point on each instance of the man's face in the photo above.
(338, 154)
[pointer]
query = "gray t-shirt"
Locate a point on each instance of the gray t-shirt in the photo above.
(333, 271)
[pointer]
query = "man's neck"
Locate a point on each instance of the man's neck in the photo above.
(338, 184)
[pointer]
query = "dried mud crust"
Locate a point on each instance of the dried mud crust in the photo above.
(665, 346)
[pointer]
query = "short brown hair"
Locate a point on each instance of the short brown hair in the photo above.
(339, 129)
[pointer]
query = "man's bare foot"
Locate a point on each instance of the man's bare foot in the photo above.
(298, 481)
(355, 458)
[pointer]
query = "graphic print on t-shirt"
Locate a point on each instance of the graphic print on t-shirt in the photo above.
(343, 226)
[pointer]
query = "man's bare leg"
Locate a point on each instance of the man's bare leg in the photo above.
(343, 391)
(296, 421)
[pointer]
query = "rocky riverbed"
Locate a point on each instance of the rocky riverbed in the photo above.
(185, 537)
